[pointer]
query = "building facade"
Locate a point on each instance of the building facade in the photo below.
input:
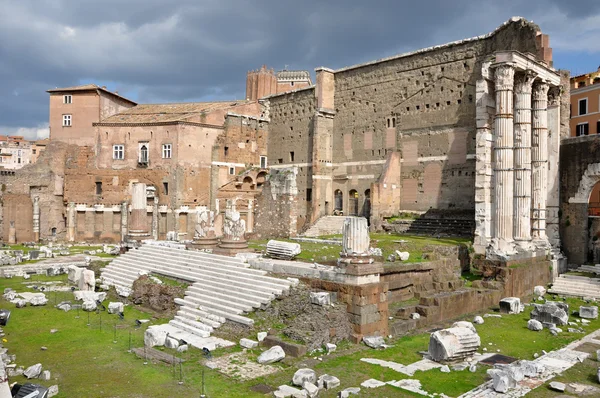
(585, 104)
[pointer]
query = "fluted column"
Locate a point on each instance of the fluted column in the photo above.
(539, 162)
(503, 163)
(522, 153)
(71, 217)
(138, 225)
(36, 219)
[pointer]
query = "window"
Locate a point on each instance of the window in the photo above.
(232, 170)
(98, 187)
(308, 194)
(263, 162)
(581, 84)
(583, 129)
(34, 151)
(583, 106)
(166, 188)
(67, 99)
(143, 154)
(66, 120)
(291, 156)
(280, 161)
(166, 151)
(225, 150)
(598, 127)
(119, 152)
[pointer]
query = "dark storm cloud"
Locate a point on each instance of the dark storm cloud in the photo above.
(183, 50)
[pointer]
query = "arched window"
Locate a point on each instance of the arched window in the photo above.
(353, 203)
(144, 154)
(338, 201)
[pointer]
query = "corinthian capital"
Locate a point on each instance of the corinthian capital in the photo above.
(540, 91)
(505, 77)
(524, 82)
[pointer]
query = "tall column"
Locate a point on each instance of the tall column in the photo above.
(124, 222)
(539, 163)
(155, 219)
(250, 216)
(71, 219)
(503, 164)
(138, 225)
(36, 218)
(522, 152)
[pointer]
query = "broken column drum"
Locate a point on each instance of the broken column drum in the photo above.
(453, 343)
(356, 241)
(204, 231)
(283, 250)
(36, 218)
(139, 225)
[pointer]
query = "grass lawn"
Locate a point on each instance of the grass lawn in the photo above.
(388, 243)
(85, 362)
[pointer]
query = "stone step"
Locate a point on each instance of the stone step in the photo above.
(232, 297)
(574, 293)
(583, 289)
(193, 323)
(575, 283)
(187, 313)
(246, 272)
(116, 279)
(223, 288)
(194, 255)
(188, 328)
(579, 277)
(221, 300)
(225, 314)
(126, 274)
(191, 309)
(207, 274)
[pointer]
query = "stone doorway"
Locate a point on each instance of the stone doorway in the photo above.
(353, 203)
(338, 202)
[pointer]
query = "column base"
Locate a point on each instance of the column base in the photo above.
(524, 245)
(138, 233)
(228, 247)
(500, 249)
(204, 243)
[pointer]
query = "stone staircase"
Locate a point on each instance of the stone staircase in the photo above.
(595, 269)
(223, 288)
(577, 286)
(448, 226)
(327, 225)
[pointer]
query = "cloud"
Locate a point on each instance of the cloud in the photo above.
(186, 50)
(30, 133)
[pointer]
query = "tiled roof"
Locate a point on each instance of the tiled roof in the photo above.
(87, 87)
(164, 113)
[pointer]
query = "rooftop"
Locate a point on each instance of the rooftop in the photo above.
(88, 87)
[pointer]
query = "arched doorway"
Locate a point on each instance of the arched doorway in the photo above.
(353, 203)
(338, 201)
(366, 209)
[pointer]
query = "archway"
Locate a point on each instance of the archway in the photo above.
(260, 179)
(353, 203)
(338, 202)
(593, 224)
(248, 183)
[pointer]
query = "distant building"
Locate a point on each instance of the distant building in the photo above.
(16, 152)
(585, 104)
(264, 82)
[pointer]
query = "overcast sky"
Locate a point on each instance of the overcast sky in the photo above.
(198, 50)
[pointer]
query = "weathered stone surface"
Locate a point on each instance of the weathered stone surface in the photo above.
(534, 325)
(356, 236)
(558, 386)
(539, 291)
(89, 295)
(311, 390)
(52, 391)
(590, 312)
(171, 342)
(273, 354)
(89, 305)
(373, 341)
(20, 303)
(285, 391)
(478, 320)
(402, 256)
(115, 307)
(247, 343)
(372, 383)
(183, 348)
(260, 336)
(453, 343)
(345, 393)
(74, 274)
(464, 324)
(33, 371)
(330, 347)
(329, 382)
(304, 375)
(154, 336)
(445, 369)
(550, 312)
(283, 250)
(45, 375)
(9, 295)
(510, 305)
(320, 298)
(38, 300)
(87, 280)
(415, 315)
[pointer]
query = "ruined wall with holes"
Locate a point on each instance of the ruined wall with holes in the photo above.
(579, 173)
(420, 104)
(290, 141)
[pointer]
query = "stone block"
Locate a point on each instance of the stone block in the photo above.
(290, 349)
(550, 312)
(510, 305)
(590, 312)
(453, 343)
(247, 343)
(320, 298)
(272, 355)
(304, 375)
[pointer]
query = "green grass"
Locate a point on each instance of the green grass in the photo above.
(388, 243)
(404, 216)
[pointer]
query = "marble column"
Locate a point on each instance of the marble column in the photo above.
(71, 220)
(138, 225)
(522, 153)
(356, 239)
(539, 163)
(124, 221)
(250, 216)
(36, 218)
(503, 164)
(12, 233)
(155, 218)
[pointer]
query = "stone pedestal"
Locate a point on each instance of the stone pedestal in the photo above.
(355, 261)
(204, 231)
(234, 229)
(138, 226)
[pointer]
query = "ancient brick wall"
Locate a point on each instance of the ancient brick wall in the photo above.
(277, 206)
(579, 173)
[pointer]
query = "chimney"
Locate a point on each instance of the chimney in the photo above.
(104, 87)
